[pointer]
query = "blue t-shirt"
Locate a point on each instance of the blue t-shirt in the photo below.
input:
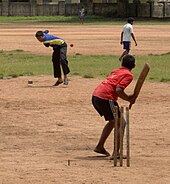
(53, 41)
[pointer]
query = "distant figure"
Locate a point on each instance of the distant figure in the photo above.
(82, 15)
(126, 35)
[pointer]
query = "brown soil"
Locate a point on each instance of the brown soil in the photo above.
(96, 40)
(48, 133)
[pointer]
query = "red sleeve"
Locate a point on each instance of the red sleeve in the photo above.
(126, 80)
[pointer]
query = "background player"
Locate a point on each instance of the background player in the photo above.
(126, 35)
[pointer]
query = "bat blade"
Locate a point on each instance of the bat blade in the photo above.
(140, 81)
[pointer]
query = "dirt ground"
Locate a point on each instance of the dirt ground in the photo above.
(47, 134)
(93, 40)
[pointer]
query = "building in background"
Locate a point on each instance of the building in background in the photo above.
(110, 8)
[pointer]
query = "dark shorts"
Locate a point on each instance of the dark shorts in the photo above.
(126, 45)
(103, 107)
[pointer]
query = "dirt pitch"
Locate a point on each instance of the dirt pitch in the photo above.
(47, 134)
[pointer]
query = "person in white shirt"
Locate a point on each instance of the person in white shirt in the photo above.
(126, 35)
(82, 15)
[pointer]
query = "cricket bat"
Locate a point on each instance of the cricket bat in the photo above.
(140, 81)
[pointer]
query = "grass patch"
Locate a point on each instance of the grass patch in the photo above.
(52, 19)
(88, 76)
(16, 63)
(74, 20)
(1, 76)
(19, 63)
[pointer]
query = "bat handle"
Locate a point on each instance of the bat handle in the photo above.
(130, 105)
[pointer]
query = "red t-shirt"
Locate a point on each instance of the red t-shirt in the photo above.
(120, 77)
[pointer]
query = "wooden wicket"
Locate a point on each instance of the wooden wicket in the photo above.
(121, 136)
(119, 130)
(127, 138)
(115, 136)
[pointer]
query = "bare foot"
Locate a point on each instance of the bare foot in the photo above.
(101, 151)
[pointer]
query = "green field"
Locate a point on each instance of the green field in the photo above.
(19, 63)
(74, 20)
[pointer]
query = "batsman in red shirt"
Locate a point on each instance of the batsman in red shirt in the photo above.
(109, 90)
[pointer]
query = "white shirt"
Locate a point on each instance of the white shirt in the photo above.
(127, 31)
(82, 12)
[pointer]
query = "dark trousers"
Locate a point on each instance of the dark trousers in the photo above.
(59, 57)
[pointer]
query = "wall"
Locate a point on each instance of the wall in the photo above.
(105, 9)
(167, 10)
(0, 8)
(38, 8)
(72, 9)
(19, 9)
(158, 10)
(139, 10)
(48, 10)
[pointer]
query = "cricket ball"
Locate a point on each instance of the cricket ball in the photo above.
(71, 45)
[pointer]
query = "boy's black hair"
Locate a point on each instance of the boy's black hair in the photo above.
(39, 33)
(128, 61)
(130, 19)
